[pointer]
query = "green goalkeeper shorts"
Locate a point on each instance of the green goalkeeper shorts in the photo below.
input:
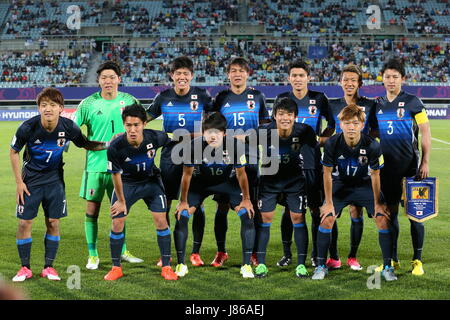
(95, 184)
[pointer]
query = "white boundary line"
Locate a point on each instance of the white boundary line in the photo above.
(441, 141)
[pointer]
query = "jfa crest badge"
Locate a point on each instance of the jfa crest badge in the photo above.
(251, 104)
(400, 112)
(363, 160)
(61, 142)
(312, 110)
(295, 146)
(421, 198)
(194, 105)
(151, 153)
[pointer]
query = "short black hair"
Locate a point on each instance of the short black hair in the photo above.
(286, 104)
(134, 110)
(109, 65)
(241, 62)
(298, 64)
(215, 120)
(395, 64)
(182, 62)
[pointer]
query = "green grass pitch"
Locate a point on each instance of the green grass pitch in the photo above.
(142, 281)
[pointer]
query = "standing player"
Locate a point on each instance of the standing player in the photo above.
(289, 181)
(244, 108)
(42, 178)
(213, 174)
(397, 120)
(101, 114)
(351, 81)
(131, 161)
(351, 163)
(312, 108)
(181, 107)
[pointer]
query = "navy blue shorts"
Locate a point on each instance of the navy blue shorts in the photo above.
(290, 192)
(314, 187)
(252, 171)
(151, 192)
(171, 175)
(52, 197)
(229, 189)
(360, 196)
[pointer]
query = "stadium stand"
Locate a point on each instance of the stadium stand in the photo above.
(327, 33)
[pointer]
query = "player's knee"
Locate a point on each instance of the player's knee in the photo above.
(297, 217)
(52, 224)
(266, 218)
(25, 225)
(160, 220)
(382, 222)
(355, 212)
(93, 208)
(118, 224)
(328, 222)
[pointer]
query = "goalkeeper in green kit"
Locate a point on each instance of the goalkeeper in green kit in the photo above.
(101, 112)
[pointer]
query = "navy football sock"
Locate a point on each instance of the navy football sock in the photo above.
(286, 232)
(220, 229)
(417, 235)
(356, 232)
(164, 242)
(51, 244)
(198, 229)
(385, 240)
(323, 244)
(264, 236)
(247, 236)
(315, 223)
(116, 240)
(301, 241)
(24, 248)
(180, 235)
(395, 231)
(334, 254)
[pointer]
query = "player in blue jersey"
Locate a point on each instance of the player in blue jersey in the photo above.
(41, 179)
(244, 108)
(397, 120)
(351, 162)
(312, 108)
(216, 166)
(351, 80)
(287, 181)
(135, 176)
(181, 107)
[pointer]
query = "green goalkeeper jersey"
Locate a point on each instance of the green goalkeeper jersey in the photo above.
(103, 119)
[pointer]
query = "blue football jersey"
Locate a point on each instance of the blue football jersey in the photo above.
(242, 111)
(180, 112)
(43, 156)
(311, 110)
(336, 105)
(137, 165)
(398, 130)
(352, 165)
(214, 166)
(289, 153)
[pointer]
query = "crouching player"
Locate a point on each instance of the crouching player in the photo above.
(209, 172)
(131, 161)
(288, 182)
(41, 180)
(351, 164)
